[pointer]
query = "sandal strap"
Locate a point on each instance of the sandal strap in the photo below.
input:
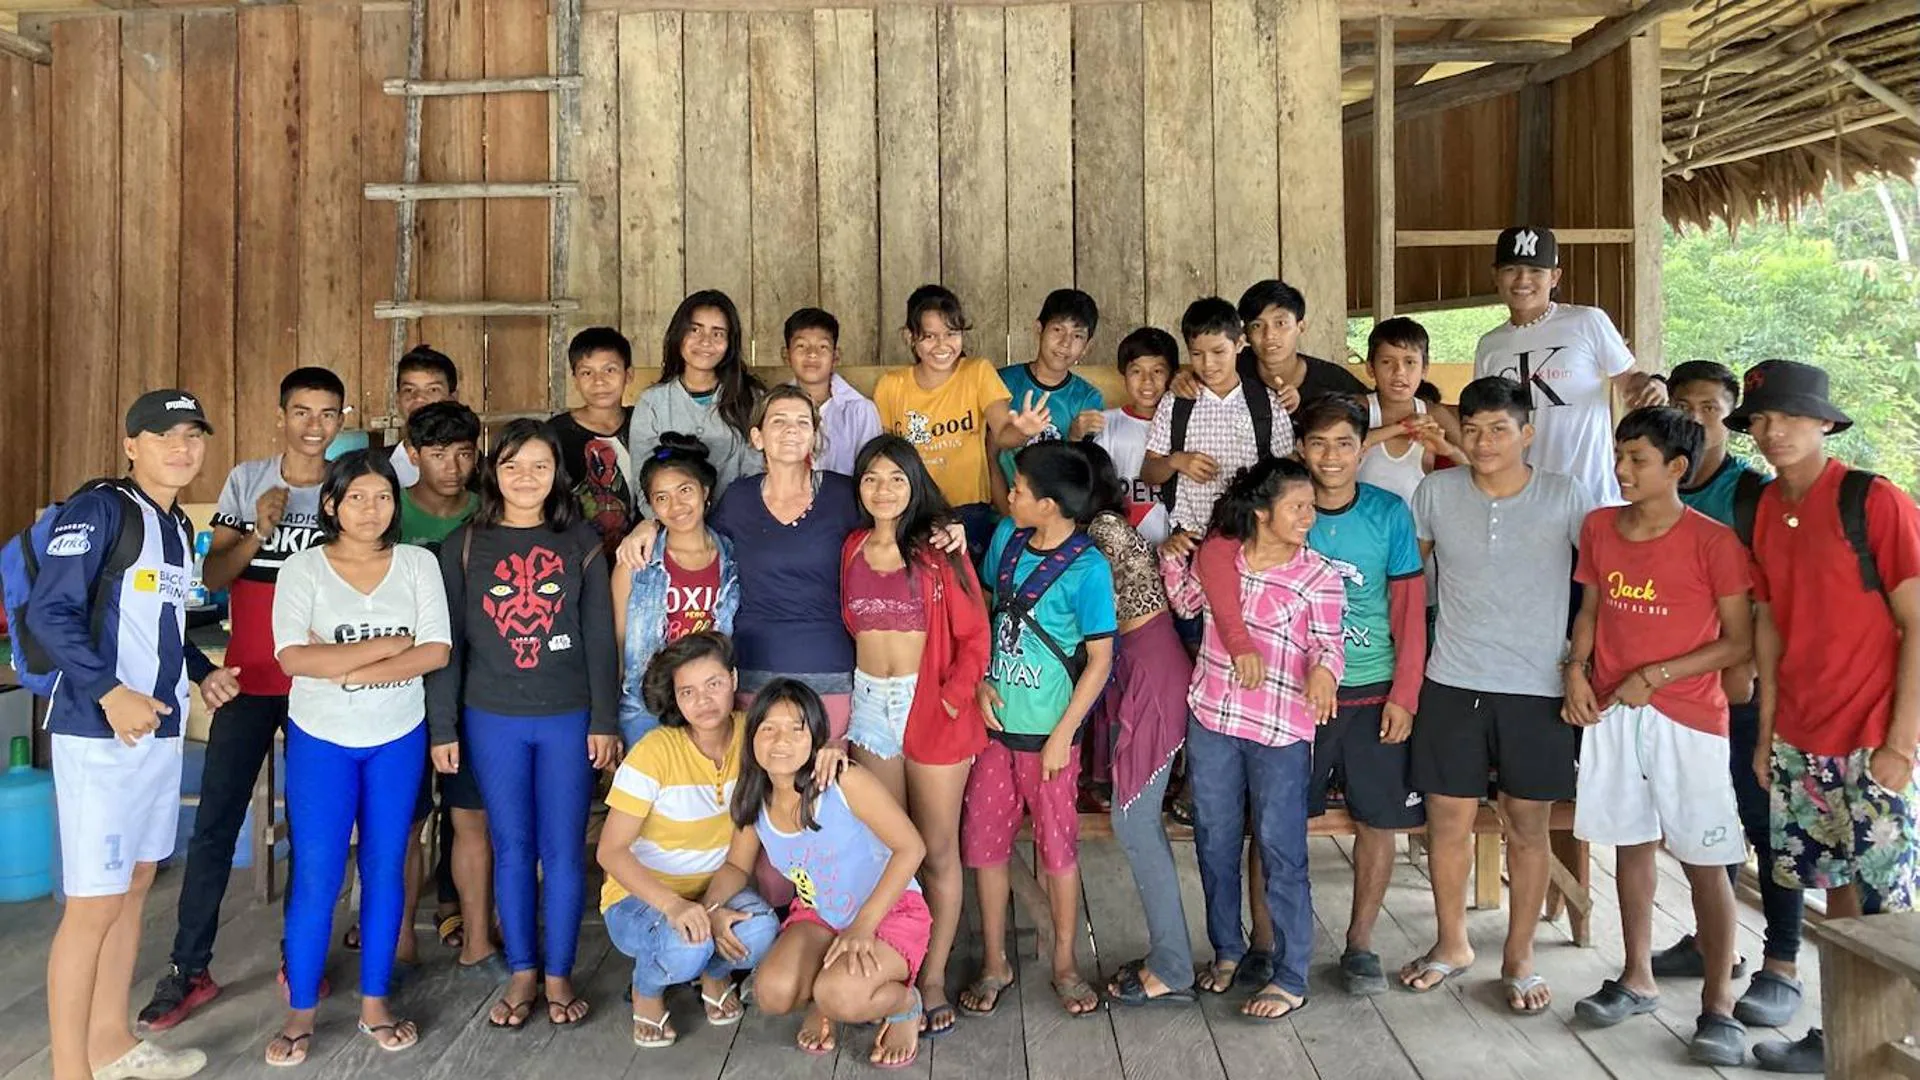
(914, 1012)
(659, 1026)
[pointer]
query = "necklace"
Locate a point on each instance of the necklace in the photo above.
(1792, 519)
(1537, 319)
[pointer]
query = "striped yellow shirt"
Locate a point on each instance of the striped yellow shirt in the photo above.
(681, 797)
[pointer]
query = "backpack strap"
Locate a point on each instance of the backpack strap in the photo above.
(1020, 602)
(1260, 408)
(1854, 486)
(1176, 441)
(1746, 504)
(466, 547)
(128, 542)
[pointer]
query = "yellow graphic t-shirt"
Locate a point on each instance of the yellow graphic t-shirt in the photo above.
(948, 425)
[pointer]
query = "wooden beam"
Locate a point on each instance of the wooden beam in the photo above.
(1357, 10)
(532, 189)
(1440, 96)
(1385, 249)
(517, 84)
(25, 47)
(1646, 310)
(1748, 152)
(1432, 238)
(1359, 54)
(1604, 39)
(426, 309)
(1313, 233)
(1875, 89)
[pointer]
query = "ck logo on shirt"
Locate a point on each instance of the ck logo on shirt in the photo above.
(1529, 374)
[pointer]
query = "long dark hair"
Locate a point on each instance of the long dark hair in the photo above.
(1254, 489)
(1108, 490)
(738, 387)
(341, 473)
(751, 791)
(561, 510)
(927, 509)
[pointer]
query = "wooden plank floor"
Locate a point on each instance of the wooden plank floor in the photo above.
(1462, 1032)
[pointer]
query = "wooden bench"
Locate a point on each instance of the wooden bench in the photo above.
(1869, 1001)
(1569, 888)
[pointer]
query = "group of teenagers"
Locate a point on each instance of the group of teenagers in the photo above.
(817, 653)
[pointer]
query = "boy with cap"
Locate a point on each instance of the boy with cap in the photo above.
(115, 716)
(1836, 573)
(1570, 358)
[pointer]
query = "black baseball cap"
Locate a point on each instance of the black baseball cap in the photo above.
(1527, 245)
(157, 411)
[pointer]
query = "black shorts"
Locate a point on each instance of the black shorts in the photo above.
(1348, 755)
(459, 791)
(1462, 735)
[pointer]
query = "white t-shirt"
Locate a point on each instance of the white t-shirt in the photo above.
(1567, 360)
(313, 598)
(1124, 438)
(403, 467)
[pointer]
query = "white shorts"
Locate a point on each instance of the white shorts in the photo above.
(118, 805)
(1645, 777)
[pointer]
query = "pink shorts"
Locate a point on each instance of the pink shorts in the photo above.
(905, 929)
(1005, 784)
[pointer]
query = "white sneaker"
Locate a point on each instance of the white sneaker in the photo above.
(151, 1061)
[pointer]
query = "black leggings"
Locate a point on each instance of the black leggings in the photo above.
(1782, 904)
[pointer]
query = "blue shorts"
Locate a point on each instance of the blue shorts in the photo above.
(880, 707)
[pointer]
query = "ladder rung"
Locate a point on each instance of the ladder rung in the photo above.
(450, 87)
(423, 309)
(544, 189)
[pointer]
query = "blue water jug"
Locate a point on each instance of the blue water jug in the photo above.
(26, 827)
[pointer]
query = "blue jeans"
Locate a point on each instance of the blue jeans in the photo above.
(536, 781)
(1225, 774)
(662, 958)
(330, 789)
(1142, 832)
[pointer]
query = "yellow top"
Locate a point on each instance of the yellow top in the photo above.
(681, 797)
(948, 425)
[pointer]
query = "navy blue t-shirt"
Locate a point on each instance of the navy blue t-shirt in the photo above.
(789, 620)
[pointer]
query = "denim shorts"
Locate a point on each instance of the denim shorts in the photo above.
(880, 707)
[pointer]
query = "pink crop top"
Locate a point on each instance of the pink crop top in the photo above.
(883, 601)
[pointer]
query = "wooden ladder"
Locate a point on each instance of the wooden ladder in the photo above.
(410, 192)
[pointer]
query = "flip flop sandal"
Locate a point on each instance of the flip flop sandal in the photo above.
(453, 931)
(911, 1016)
(1222, 976)
(1256, 968)
(986, 986)
(406, 1035)
(719, 1004)
(1076, 990)
(828, 1044)
(928, 1029)
(1519, 988)
(662, 1033)
(518, 1013)
(560, 1013)
(1132, 991)
(1426, 966)
(1271, 994)
(295, 1044)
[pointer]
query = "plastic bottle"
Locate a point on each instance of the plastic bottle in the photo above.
(197, 595)
(26, 827)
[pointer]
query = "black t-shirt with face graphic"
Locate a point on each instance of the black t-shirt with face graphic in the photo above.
(601, 468)
(531, 612)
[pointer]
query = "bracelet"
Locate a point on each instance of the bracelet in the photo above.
(1666, 677)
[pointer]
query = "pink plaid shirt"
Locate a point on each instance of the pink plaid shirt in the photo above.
(1294, 613)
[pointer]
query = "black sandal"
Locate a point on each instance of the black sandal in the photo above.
(518, 1013)
(1129, 989)
(295, 1043)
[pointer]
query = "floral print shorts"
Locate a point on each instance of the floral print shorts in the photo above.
(1834, 825)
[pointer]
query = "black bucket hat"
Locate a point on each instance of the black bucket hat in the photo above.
(1786, 386)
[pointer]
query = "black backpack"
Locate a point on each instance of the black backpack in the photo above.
(1854, 487)
(1259, 407)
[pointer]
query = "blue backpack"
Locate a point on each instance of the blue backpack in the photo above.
(20, 565)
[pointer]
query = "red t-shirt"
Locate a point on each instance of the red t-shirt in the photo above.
(691, 595)
(1841, 648)
(1660, 599)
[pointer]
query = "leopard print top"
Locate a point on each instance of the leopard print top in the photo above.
(1137, 588)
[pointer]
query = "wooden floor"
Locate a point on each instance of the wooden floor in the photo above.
(1463, 1031)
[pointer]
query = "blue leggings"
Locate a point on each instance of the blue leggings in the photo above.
(537, 782)
(330, 790)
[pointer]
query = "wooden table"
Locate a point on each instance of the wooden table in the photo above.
(1869, 1004)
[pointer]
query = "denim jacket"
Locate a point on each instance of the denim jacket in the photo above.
(647, 627)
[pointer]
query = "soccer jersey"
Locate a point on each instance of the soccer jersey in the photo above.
(1065, 401)
(1034, 685)
(681, 797)
(948, 425)
(250, 598)
(1567, 361)
(1369, 542)
(1124, 438)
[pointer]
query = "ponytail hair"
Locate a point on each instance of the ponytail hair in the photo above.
(1251, 491)
(681, 453)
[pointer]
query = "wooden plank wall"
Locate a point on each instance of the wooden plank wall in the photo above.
(26, 186)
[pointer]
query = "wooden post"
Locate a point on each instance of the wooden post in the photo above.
(1644, 332)
(1864, 1007)
(1533, 179)
(1313, 233)
(1486, 871)
(1385, 244)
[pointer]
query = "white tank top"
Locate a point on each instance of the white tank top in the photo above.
(1379, 466)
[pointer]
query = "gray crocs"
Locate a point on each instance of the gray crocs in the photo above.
(1770, 1001)
(1361, 974)
(1612, 1003)
(1718, 1040)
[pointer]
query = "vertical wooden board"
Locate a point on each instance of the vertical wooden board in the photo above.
(652, 260)
(1246, 185)
(451, 259)
(845, 126)
(149, 203)
(383, 118)
(786, 229)
(207, 107)
(330, 198)
(1181, 218)
(1040, 155)
(593, 265)
(1643, 329)
(267, 290)
(518, 230)
(1109, 169)
(973, 171)
(21, 299)
(85, 242)
(1313, 238)
(719, 243)
(908, 62)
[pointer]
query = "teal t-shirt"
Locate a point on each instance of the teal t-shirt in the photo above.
(1715, 497)
(1034, 685)
(1064, 402)
(1370, 543)
(429, 530)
